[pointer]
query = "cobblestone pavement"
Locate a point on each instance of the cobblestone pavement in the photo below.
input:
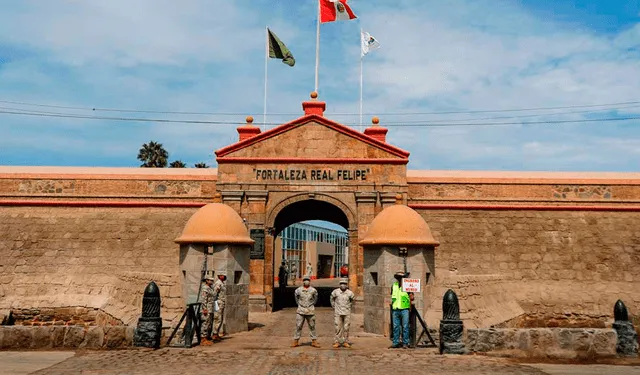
(265, 350)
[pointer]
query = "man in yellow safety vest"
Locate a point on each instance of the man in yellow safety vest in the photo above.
(400, 306)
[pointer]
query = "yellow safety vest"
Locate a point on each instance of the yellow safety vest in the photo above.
(399, 299)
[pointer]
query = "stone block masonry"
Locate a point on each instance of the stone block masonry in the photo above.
(66, 337)
(107, 183)
(557, 343)
(550, 263)
(71, 337)
(63, 246)
(90, 257)
(64, 316)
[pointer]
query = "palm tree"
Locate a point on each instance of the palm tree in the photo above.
(201, 165)
(177, 164)
(153, 155)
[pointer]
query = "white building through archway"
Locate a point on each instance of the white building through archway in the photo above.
(301, 244)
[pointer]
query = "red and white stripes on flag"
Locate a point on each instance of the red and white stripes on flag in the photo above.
(335, 10)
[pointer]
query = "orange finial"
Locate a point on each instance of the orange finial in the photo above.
(314, 106)
(376, 131)
(217, 198)
(247, 130)
(398, 198)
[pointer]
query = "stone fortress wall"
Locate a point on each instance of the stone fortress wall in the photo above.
(560, 247)
(92, 238)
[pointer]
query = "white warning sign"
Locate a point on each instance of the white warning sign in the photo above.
(411, 285)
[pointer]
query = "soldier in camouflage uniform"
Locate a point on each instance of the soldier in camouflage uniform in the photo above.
(220, 297)
(206, 311)
(341, 301)
(306, 298)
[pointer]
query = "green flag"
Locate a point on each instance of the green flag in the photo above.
(277, 50)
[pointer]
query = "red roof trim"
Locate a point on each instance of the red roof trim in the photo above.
(312, 160)
(321, 120)
(95, 203)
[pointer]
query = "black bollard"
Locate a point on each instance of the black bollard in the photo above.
(149, 329)
(451, 327)
(620, 313)
(627, 344)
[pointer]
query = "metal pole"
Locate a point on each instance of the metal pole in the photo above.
(361, 57)
(317, 46)
(266, 59)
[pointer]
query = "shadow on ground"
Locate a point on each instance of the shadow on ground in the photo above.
(284, 298)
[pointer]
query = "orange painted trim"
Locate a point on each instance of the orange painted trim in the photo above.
(498, 207)
(311, 160)
(91, 203)
(303, 120)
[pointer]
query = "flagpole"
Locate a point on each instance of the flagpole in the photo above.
(361, 31)
(318, 46)
(266, 60)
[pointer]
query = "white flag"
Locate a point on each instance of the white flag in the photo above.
(368, 43)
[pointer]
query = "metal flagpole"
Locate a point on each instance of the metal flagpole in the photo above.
(266, 60)
(318, 46)
(361, 51)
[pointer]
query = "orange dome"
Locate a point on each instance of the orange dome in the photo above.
(215, 223)
(399, 225)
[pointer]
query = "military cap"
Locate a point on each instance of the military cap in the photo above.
(344, 281)
(306, 277)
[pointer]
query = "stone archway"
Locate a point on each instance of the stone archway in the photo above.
(272, 215)
(302, 207)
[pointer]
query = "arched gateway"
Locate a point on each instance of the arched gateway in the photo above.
(311, 168)
(515, 246)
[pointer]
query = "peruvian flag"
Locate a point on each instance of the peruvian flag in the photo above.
(335, 10)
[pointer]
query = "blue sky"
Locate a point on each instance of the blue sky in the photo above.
(208, 56)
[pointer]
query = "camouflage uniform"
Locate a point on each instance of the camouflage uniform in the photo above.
(341, 301)
(220, 295)
(206, 310)
(306, 299)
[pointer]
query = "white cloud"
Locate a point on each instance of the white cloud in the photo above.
(126, 33)
(208, 56)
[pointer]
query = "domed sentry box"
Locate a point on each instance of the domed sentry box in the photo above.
(216, 240)
(398, 239)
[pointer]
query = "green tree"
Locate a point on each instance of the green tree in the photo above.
(153, 155)
(201, 165)
(177, 164)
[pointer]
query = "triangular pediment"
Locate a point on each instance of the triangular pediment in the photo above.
(312, 137)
